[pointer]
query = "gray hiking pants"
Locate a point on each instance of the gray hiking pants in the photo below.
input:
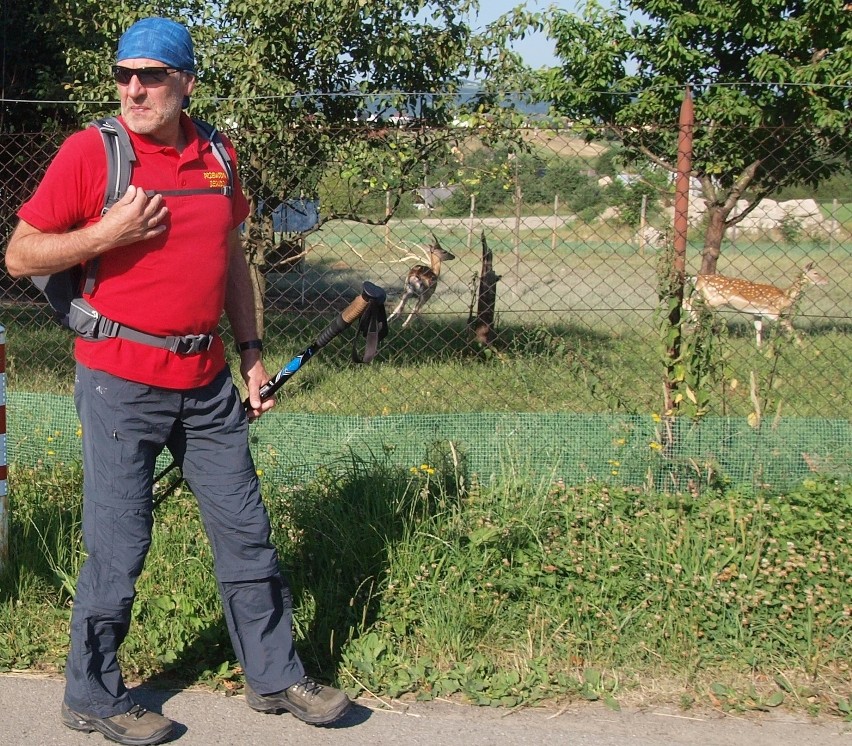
(125, 426)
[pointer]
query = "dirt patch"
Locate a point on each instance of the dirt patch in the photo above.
(564, 144)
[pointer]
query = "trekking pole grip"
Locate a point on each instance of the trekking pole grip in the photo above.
(370, 293)
(352, 312)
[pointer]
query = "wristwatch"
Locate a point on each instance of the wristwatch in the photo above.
(251, 344)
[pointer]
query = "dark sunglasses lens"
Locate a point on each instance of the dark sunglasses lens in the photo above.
(146, 76)
(149, 77)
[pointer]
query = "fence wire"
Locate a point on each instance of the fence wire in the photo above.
(550, 272)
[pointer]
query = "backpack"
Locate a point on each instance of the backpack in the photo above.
(64, 290)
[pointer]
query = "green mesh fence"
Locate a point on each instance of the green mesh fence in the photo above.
(616, 449)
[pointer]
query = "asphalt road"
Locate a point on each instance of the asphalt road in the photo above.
(29, 714)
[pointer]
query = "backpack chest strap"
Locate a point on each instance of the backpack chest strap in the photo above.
(226, 191)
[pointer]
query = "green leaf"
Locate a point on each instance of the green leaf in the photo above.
(592, 677)
(774, 700)
(720, 690)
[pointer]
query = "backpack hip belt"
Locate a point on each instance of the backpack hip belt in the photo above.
(90, 324)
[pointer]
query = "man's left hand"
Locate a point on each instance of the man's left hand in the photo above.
(255, 376)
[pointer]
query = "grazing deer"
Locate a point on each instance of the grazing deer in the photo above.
(422, 281)
(763, 301)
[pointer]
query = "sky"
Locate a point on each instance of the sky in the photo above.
(536, 50)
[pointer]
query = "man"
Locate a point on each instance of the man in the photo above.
(167, 266)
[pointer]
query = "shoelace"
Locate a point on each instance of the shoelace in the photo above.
(136, 712)
(309, 686)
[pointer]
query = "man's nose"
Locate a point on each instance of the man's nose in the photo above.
(134, 87)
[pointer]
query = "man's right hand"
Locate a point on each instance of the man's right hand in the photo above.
(135, 217)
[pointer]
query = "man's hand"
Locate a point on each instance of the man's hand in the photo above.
(135, 217)
(255, 376)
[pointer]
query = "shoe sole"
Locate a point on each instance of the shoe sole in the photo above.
(76, 721)
(303, 716)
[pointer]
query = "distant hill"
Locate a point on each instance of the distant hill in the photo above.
(514, 100)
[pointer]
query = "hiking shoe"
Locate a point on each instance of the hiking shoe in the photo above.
(307, 700)
(136, 727)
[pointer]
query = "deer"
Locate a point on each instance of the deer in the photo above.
(421, 281)
(761, 300)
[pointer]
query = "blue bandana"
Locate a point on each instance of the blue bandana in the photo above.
(158, 39)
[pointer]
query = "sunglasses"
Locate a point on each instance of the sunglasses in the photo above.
(145, 75)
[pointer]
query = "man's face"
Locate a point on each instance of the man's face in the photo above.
(152, 107)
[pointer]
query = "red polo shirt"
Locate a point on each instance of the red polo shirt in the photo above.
(173, 284)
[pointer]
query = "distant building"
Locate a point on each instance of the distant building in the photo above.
(430, 197)
(295, 215)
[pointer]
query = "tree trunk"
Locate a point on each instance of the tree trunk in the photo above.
(254, 247)
(718, 213)
(713, 239)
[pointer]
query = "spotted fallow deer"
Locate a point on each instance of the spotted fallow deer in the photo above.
(422, 281)
(762, 301)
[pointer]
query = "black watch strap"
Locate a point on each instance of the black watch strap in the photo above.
(251, 344)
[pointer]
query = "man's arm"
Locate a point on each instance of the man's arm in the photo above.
(135, 217)
(239, 308)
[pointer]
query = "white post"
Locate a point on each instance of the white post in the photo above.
(835, 224)
(4, 500)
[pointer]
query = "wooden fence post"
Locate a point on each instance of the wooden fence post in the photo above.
(518, 200)
(643, 224)
(678, 273)
(387, 218)
(555, 223)
(470, 222)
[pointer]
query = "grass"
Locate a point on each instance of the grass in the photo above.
(556, 367)
(425, 582)
(575, 329)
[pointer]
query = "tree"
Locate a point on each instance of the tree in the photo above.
(31, 63)
(289, 81)
(770, 82)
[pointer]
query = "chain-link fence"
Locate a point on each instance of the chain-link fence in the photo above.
(549, 261)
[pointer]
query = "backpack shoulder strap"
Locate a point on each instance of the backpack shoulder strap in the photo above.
(209, 132)
(120, 159)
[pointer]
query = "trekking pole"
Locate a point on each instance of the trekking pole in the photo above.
(368, 306)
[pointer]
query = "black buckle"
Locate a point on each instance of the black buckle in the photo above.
(189, 344)
(106, 327)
